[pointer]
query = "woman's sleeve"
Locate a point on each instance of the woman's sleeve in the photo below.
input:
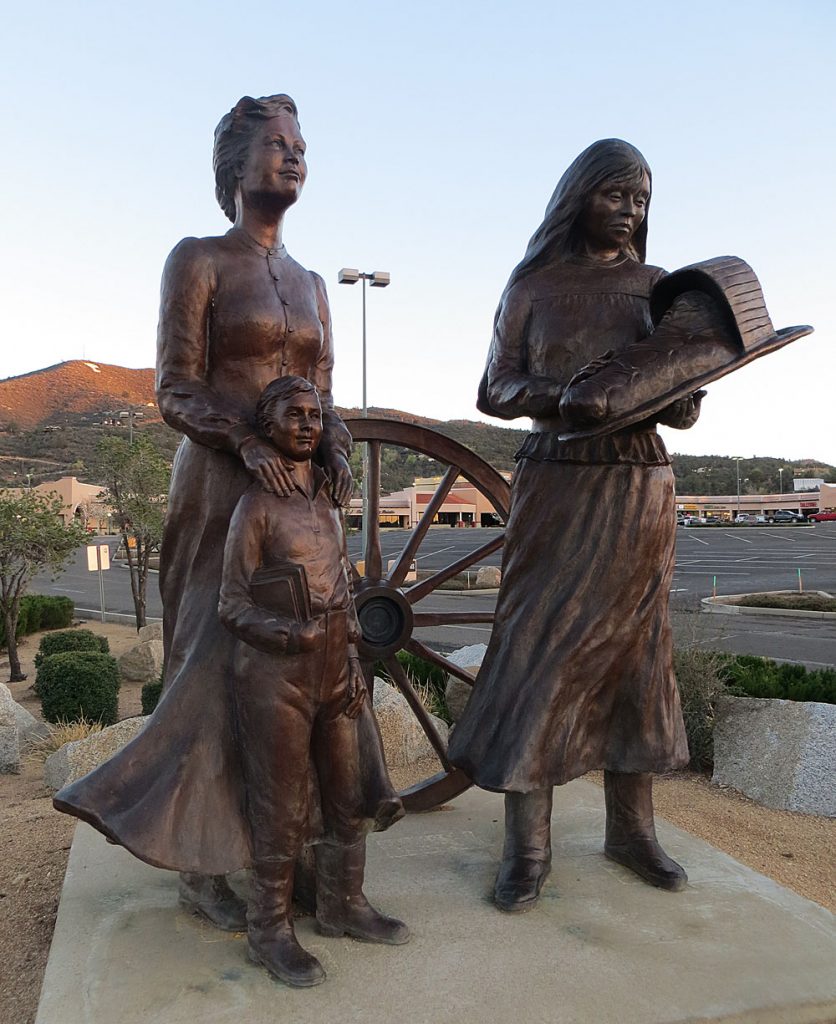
(508, 389)
(186, 401)
(335, 437)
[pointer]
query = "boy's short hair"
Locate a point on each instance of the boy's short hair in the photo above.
(279, 390)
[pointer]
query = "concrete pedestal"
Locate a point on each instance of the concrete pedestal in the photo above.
(601, 948)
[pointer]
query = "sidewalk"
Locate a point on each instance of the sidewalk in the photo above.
(602, 947)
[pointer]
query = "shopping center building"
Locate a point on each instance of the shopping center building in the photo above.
(466, 506)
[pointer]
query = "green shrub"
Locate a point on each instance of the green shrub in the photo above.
(56, 612)
(700, 679)
(40, 611)
(761, 677)
(151, 694)
(798, 602)
(73, 684)
(70, 640)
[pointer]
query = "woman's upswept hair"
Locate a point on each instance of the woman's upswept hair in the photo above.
(232, 140)
(279, 390)
(558, 238)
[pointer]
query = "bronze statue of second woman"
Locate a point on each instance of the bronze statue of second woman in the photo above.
(578, 673)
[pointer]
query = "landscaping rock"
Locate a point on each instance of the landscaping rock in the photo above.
(9, 733)
(143, 663)
(404, 741)
(781, 753)
(81, 756)
(489, 576)
(28, 727)
(457, 692)
(154, 631)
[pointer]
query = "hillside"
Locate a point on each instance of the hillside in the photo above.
(51, 421)
(45, 397)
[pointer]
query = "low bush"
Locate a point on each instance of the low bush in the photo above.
(700, 678)
(40, 611)
(796, 602)
(56, 612)
(752, 676)
(151, 694)
(70, 640)
(79, 684)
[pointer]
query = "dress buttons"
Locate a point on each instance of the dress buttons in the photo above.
(275, 277)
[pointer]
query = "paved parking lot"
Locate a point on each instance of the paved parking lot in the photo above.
(742, 559)
(755, 558)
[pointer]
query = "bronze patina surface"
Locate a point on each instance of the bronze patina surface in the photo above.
(236, 312)
(578, 672)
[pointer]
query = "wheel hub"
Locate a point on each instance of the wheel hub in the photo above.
(385, 619)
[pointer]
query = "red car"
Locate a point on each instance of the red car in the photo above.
(822, 517)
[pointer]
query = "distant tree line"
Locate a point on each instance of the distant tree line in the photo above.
(72, 450)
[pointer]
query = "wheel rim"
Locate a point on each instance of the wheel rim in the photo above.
(386, 610)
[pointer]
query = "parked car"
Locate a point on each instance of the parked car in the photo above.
(746, 517)
(822, 517)
(783, 515)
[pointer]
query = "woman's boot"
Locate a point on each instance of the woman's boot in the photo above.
(631, 835)
(341, 906)
(272, 940)
(527, 854)
(210, 897)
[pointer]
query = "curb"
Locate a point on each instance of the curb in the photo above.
(721, 606)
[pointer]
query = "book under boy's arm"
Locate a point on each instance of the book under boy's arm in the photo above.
(260, 628)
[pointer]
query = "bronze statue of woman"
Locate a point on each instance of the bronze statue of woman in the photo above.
(578, 673)
(237, 311)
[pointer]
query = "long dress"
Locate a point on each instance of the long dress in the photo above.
(578, 673)
(233, 317)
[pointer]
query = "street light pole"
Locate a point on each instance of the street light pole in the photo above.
(781, 479)
(377, 279)
(738, 459)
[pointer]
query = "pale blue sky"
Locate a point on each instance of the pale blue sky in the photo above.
(436, 133)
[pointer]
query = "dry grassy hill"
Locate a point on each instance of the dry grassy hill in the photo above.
(45, 397)
(52, 420)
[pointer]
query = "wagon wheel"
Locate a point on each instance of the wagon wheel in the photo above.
(389, 612)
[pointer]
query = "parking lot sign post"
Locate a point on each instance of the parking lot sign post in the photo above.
(98, 559)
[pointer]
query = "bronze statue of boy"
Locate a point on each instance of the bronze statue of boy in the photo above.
(311, 752)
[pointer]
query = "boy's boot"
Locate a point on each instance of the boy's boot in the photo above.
(341, 906)
(272, 940)
(631, 834)
(527, 853)
(210, 897)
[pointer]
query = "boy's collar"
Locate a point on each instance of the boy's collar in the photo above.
(320, 479)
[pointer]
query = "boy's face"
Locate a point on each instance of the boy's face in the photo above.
(296, 426)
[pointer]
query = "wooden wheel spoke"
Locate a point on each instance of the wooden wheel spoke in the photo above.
(449, 618)
(401, 566)
(420, 590)
(405, 686)
(373, 555)
(428, 654)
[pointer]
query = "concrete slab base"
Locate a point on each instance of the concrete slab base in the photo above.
(601, 948)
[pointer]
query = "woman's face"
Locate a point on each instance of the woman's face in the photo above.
(613, 214)
(275, 168)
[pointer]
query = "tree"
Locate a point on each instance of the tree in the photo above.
(33, 537)
(136, 478)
